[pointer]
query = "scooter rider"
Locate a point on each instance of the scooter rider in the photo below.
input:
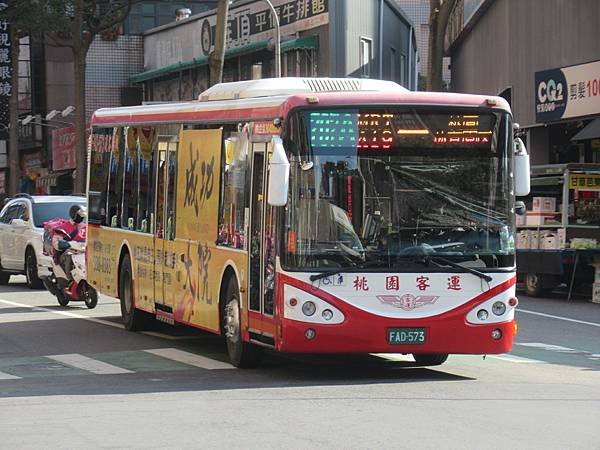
(77, 215)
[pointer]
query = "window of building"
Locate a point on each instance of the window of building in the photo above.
(393, 64)
(365, 56)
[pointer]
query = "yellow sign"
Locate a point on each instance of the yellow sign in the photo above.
(584, 181)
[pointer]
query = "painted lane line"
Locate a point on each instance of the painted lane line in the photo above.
(550, 316)
(515, 359)
(63, 313)
(88, 364)
(7, 376)
(191, 359)
(549, 347)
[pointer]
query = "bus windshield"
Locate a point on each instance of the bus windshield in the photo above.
(390, 188)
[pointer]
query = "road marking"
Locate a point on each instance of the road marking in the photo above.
(395, 357)
(63, 313)
(7, 376)
(515, 359)
(594, 324)
(560, 349)
(88, 364)
(190, 359)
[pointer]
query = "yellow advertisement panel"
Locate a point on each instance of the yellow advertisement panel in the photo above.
(199, 167)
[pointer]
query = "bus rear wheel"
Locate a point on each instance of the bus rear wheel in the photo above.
(241, 354)
(133, 319)
(430, 359)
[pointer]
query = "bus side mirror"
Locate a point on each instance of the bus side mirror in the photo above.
(521, 174)
(279, 174)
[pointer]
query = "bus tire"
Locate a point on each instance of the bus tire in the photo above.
(133, 318)
(242, 354)
(430, 359)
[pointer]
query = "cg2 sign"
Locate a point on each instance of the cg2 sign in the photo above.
(551, 91)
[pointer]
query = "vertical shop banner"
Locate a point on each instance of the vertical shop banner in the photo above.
(63, 148)
(5, 75)
(572, 91)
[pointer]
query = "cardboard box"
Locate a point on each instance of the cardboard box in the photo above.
(562, 237)
(549, 241)
(538, 218)
(523, 242)
(543, 204)
(521, 220)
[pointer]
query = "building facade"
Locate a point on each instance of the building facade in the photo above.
(544, 57)
(338, 38)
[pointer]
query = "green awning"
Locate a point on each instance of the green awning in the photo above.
(307, 42)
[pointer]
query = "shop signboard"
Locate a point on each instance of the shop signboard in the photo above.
(63, 148)
(566, 92)
(248, 23)
(5, 75)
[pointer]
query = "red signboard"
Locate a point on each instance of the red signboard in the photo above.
(63, 148)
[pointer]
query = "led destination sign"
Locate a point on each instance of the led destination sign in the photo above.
(385, 131)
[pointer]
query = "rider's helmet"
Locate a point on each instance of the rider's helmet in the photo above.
(77, 213)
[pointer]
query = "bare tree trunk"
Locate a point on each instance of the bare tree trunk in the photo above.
(14, 168)
(79, 47)
(80, 123)
(439, 14)
(216, 59)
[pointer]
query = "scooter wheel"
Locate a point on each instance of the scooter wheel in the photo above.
(90, 297)
(62, 299)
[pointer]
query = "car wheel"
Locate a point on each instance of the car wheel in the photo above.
(31, 271)
(241, 354)
(430, 359)
(133, 318)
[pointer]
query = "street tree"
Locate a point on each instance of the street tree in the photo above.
(439, 15)
(89, 18)
(216, 59)
(25, 18)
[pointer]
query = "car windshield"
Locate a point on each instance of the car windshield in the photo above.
(383, 188)
(43, 212)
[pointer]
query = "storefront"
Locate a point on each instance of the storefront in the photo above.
(318, 38)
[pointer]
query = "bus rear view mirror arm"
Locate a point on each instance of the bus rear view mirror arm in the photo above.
(279, 174)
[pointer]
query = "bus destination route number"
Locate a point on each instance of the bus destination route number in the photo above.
(406, 335)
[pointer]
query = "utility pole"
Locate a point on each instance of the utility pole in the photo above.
(216, 59)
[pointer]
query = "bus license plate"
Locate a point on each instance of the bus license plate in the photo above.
(406, 335)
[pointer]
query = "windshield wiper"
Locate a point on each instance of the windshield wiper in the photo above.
(440, 261)
(361, 265)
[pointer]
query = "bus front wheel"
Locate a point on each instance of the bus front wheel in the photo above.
(133, 319)
(430, 359)
(242, 354)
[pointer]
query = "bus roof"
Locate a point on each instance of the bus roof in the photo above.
(266, 99)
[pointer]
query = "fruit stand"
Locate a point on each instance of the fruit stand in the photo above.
(558, 239)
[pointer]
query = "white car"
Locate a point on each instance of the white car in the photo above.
(21, 229)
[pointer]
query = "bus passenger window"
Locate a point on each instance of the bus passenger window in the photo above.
(145, 198)
(130, 184)
(232, 210)
(115, 183)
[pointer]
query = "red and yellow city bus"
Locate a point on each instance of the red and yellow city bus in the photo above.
(311, 216)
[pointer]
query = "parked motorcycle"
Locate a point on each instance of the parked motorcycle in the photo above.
(60, 244)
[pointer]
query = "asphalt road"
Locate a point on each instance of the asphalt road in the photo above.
(72, 378)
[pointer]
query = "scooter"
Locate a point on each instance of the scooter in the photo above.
(59, 284)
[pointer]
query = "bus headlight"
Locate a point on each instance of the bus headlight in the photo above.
(498, 308)
(482, 314)
(327, 314)
(309, 308)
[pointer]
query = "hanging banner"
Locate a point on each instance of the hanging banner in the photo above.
(63, 148)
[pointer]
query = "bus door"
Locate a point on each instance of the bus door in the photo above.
(262, 252)
(164, 261)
